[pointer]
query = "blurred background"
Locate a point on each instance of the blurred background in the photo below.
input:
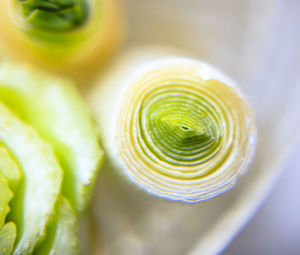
(275, 228)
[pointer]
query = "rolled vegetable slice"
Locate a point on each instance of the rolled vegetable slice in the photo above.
(177, 127)
(55, 109)
(70, 36)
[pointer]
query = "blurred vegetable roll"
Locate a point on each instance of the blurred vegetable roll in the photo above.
(49, 158)
(177, 127)
(70, 37)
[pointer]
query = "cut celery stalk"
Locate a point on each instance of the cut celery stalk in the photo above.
(42, 179)
(54, 108)
(7, 238)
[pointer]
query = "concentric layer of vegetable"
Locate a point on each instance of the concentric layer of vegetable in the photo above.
(49, 156)
(65, 36)
(181, 130)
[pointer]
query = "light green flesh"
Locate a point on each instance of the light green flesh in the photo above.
(182, 127)
(55, 109)
(9, 168)
(182, 134)
(61, 235)
(9, 179)
(42, 180)
(5, 197)
(7, 238)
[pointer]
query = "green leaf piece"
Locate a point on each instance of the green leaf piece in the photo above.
(7, 238)
(9, 168)
(5, 198)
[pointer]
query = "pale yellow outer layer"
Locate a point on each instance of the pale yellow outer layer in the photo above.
(114, 103)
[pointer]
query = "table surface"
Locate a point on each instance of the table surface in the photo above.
(275, 229)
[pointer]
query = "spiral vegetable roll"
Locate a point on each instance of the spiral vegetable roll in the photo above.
(177, 127)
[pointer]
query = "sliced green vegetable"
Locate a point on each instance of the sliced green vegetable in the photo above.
(177, 127)
(54, 108)
(45, 134)
(69, 37)
(42, 179)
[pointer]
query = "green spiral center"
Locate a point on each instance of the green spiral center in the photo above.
(179, 127)
(55, 15)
